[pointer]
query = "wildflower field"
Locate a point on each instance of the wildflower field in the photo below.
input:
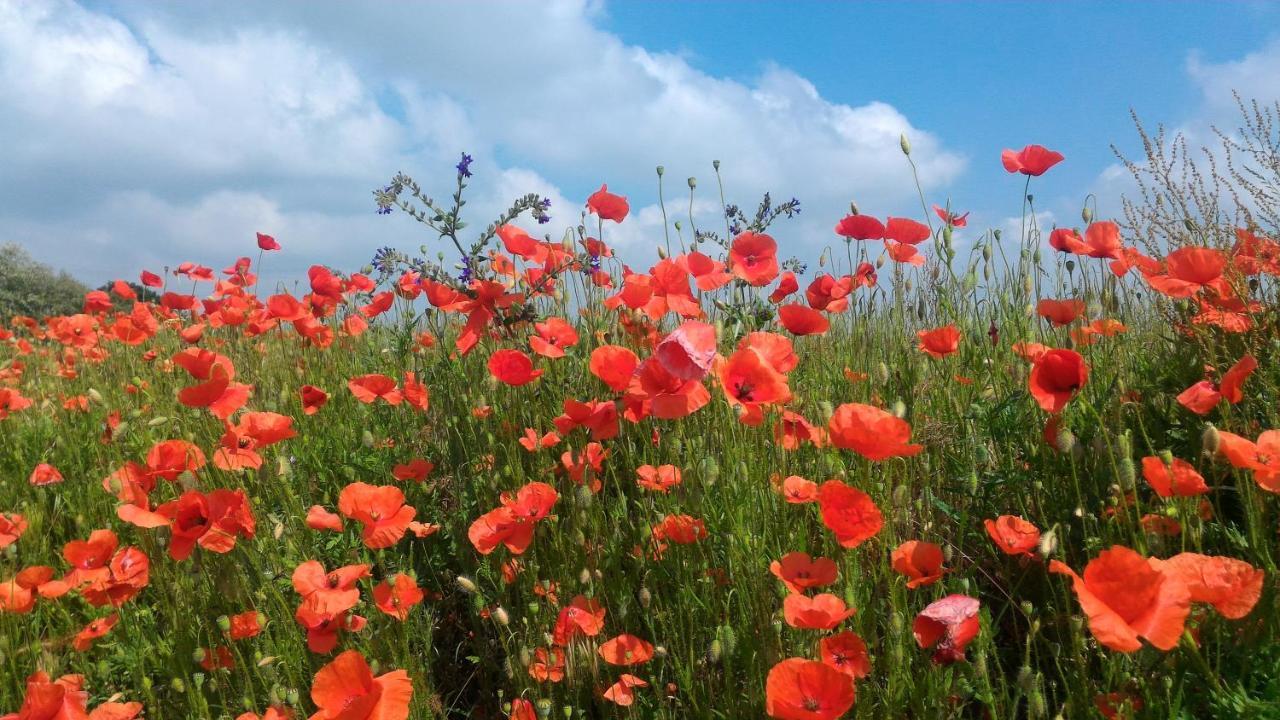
(1024, 476)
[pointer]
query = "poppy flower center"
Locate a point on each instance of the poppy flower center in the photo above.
(742, 390)
(811, 704)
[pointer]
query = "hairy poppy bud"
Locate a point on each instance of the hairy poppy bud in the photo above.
(882, 373)
(904, 144)
(693, 183)
(466, 584)
(645, 597)
(662, 253)
(501, 616)
(661, 170)
(899, 409)
(1209, 439)
(1086, 214)
(1049, 542)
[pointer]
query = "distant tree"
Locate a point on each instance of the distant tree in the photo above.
(31, 288)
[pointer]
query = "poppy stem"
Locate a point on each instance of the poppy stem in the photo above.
(1194, 649)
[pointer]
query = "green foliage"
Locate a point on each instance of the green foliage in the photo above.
(31, 288)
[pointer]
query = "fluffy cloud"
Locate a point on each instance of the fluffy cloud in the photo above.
(152, 134)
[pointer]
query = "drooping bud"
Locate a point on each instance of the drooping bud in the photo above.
(905, 144)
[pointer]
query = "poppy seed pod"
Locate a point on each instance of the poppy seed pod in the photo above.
(693, 183)
(661, 170)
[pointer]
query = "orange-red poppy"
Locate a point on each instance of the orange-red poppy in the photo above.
(622, 693)
(370, 388)
(553, 336)
(512, 367)
(753, 257)
(849, 513)
(44, 474)
(626, 649)
(871, 432)
(920, 562)
(800, 572)
(948, 626)
(659, 479)
(346, 689)
(607, 205)
(1231, 586)
(1013, 535)
(801, 320)
(397, 595)
(1033, 160)
(582, 616)
(1056, 377)
(1060, 312)
(381, 509)
(802, 689)
(939, 342)
(1127, 597)
(614, 365)
(847, 652)
(1175, 479)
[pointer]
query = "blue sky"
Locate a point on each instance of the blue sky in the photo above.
(142, 134)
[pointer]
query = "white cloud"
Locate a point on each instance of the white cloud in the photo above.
(183, 128)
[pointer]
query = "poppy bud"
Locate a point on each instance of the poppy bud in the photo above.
(882, 372)
(661, 170)
(646, 597)
(1189, 225)
(1086, 214)
(1049, 542)
(899, 409)
(466, 584)
(1025, 678)
(904, 144)
(94, 395)
(157, 421)
(986, 253)
(502, 617)
(715, 651)
(1209, 439)
(659, 651)
(880, 261)
(662, 253)
(177, 685)
(366, 439)
(224, 623)
(693, 183)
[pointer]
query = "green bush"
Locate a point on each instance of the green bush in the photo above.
(31, 288)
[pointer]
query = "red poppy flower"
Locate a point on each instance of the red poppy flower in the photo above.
(1126, 597)
(519, 242)
(656, 391)
(318, 518)
(512, 524)
(688, 351)
(554, 335)
(1013, 535)
(416, 470)
(512, 367)
(845, 651)
(1188, 271)
(798, 490)
(801, 689)
(346, 689)
(369, 388)
(1234, 378)
(871, 432)
(1231, 586)
(906, 231)
(582, 616)
(1262, 457)
(1060, 312)
(753, 257)
(1056, 376)
(1102, 240)
(45, 474)
(247, 624)
(547, 665)
(801, 320)
(266, 242)
(614, 365)
(659, 479)
(212, 520)
(1200, 398)
(328, 593)
(12, 401)
(750, 382)
(607, 205)
(951, 218)
(12, 526)
(947, 626)
(18, 594)
(849, 513)
(787, 285)
(1031, 160)
(397, 595)
(920, 562)
(380, 509)
(939, 342)
(622, 692)
(1177, 479)
(313, 398)
(94, 630)
(860, 227)
(532, 442)
(626, 649)
(217, 393)
(799, 572)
